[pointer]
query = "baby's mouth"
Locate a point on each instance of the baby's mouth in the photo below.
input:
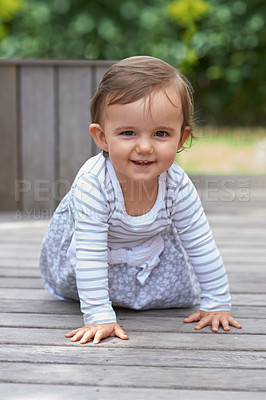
(142, 163)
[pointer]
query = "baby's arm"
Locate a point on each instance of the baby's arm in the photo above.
(213, 318)
(91, 235)
(197, 239)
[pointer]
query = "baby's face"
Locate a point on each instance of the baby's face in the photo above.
(142, 138)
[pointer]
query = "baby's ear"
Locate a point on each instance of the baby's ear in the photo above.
(184, 137)
(98, 135)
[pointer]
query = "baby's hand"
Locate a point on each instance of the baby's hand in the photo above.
(213, 318)
(97, 332)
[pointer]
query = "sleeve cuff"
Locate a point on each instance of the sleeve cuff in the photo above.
(100, 318)
(216, 303)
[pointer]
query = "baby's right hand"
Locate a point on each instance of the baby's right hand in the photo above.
(97, 332)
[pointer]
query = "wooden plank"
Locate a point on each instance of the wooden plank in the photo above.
(21, 225)
(238, 311)
(251, 299)
(248, 287)
(246, 282)
(18, 241)
(29, 294)
(198, 340)
(70, 308)
(17, 253)
(25, 283)
(38, 138)
(12, 391)
(245, 268)
(24, 246)
(16, 263)
(136, 322)
(250, 224)
(13, 273)
(231, 244)
(144, 377)
(40, 306)
(225, 219)
(254, 278)
(74, 138)
(17, 232)
(257, 252)
(23, 263)
(122, 356)
(244, 259)
(41, 294)
(27, 320)
(9, 143)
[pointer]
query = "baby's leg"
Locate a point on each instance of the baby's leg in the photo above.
(58, 270)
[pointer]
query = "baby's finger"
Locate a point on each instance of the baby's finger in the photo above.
(87, 336)
(193, 317)
(78, 335)
(71, 333)
(215, 324)
(119, 332)
(202, 323)
(234, 323)
(225, 324)
(98, 336)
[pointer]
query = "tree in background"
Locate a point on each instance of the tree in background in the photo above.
(219, 45)
(226, 56)
(8, 9)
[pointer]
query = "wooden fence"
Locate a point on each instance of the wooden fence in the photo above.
(44, 118)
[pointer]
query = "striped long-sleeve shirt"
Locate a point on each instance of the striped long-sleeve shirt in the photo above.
(101, 222)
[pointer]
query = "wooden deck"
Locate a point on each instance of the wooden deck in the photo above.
(164, 358)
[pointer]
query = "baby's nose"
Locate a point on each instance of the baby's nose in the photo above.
(144, 146)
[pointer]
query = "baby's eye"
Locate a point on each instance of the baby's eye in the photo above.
(127, 133)
(161, 134)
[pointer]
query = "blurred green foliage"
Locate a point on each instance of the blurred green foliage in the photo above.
(219, 45)
(8, 9)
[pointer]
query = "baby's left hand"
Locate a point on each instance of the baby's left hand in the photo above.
(213, 318)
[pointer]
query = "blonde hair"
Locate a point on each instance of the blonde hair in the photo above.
(137, 77)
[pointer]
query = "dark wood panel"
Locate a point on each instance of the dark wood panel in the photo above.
(8, 135)
(37, 137)
(75, 142)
